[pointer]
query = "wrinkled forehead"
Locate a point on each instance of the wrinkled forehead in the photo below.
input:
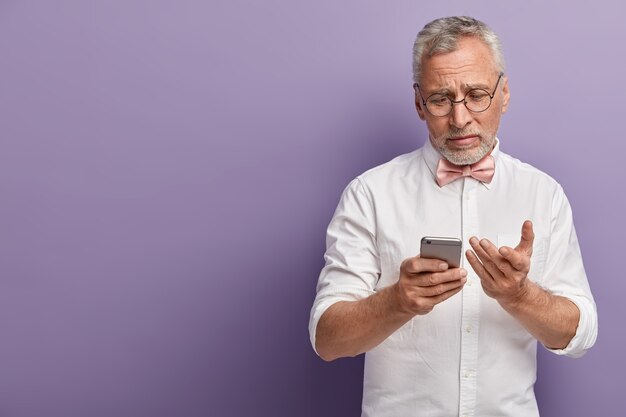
(470, 63)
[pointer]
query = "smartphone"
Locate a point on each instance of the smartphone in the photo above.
(447, 249)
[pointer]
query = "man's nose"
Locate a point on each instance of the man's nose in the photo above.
(460, 116)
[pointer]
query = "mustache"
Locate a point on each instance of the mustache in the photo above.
(456, 132)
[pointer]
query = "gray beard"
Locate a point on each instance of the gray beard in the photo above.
(462, 157)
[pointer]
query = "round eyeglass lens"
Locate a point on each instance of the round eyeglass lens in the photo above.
(476, 100)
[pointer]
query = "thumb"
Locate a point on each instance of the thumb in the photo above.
(528, 237)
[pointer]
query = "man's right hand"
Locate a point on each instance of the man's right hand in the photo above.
(424, 283)
(348, 328)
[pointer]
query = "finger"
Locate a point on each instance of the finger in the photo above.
(518, 260)
(416, 265)
(436, 278)
(437, 290)
(444, 296)
(499, 261)
(485, 259)
(528, 237)
(477, 266)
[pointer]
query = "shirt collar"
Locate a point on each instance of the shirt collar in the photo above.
(432, 157)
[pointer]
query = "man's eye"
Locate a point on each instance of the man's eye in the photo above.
(438, 101)
(477, 95)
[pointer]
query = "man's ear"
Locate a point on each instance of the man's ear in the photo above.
(418, 103)
(506, 94)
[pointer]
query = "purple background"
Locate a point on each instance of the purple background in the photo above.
(168, 169)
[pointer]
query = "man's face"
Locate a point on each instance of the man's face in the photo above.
(462, 137)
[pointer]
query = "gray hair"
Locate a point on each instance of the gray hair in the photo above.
(442, 35)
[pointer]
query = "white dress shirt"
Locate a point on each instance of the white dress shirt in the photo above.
(468, 356)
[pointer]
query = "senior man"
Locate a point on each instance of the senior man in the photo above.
(444, 341)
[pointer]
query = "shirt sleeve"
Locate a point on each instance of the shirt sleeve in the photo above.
(565, 276)
(352, 266)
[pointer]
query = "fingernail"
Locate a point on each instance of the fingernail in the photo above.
(463, 273)
(483, 243)
(504, 251)
(443, 266)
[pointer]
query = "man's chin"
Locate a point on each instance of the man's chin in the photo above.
(466, 154)
(464, 157)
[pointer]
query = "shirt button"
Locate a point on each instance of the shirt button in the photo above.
(466, 374)
(468, 328)
(470, 282)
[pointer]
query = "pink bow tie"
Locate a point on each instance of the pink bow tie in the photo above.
(482, 170)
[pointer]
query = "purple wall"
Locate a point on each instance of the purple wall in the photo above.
(168, 169)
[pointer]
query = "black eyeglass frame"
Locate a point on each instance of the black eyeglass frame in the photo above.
(463, 100)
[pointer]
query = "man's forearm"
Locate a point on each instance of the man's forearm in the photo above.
(348, 328)
(551, 319)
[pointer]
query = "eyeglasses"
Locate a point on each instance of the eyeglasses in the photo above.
(476, 100)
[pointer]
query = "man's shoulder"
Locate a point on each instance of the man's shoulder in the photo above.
(519, 170)
(401, 165)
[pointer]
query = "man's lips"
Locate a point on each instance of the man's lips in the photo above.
(464, 140)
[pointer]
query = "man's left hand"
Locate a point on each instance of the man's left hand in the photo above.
(503, 272)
